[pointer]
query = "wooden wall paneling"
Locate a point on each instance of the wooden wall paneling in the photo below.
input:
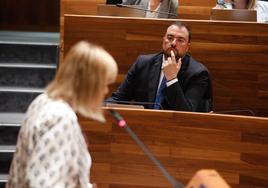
(40, 15)
(80, 7)
(87, 7)
(194, 12)
(234, 52)
(188, 9)
(195, 9)
(236, 146)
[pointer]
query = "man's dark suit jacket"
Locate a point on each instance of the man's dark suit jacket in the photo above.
(192, 92)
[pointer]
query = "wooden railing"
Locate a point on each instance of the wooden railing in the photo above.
(195, 9)
(188, 9)
(88, 7)
(236, 146)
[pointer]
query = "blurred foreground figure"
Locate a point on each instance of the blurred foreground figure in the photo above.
(51, 151)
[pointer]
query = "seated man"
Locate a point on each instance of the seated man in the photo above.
(171, 79)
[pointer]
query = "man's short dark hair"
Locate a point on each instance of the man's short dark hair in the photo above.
(180, 24)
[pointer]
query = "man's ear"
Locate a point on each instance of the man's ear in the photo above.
(188, 46)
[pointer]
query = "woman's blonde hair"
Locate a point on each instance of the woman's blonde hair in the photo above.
(83, 77)
(250, 4)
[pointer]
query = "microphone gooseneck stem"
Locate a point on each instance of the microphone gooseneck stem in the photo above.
(174, 183)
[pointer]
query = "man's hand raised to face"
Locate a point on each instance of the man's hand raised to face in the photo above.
(171, 67)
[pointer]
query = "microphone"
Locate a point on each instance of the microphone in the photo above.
(133, 103)
(143, 9)
(122, 123)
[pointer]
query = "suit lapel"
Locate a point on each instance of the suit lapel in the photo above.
(184, 66)
(154, 76)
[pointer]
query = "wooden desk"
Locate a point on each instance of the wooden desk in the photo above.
(194, 12)
(90, 7)
(236, 146)
(236, 53)
(195, 9)
(234, 15)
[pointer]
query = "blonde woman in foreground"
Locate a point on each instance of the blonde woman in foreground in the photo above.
(51, 151)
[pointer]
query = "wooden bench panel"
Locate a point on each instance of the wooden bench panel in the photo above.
(194, 12)
(88, 7)
(236, 53)
(236, 146)
(188, 9)
(206, 3)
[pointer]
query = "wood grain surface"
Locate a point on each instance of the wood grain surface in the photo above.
(30, 15)
(235, 146)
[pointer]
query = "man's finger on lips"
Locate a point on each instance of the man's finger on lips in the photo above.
(173, 58)
(172, 53)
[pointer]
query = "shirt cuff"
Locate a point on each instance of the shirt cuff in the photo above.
(173, 81)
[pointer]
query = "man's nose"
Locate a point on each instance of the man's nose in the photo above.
(174, 42)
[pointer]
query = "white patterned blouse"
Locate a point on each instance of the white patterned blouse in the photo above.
(51, 150)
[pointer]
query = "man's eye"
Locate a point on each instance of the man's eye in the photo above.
(170, 38)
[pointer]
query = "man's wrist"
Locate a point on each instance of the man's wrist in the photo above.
(172, 81)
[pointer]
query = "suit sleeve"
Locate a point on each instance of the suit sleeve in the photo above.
(190, 98)
(126, 89)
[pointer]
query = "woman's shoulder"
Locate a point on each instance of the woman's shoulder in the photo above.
(48, 108)
(262, 11)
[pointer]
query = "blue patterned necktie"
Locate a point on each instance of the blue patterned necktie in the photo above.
(159, 95)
